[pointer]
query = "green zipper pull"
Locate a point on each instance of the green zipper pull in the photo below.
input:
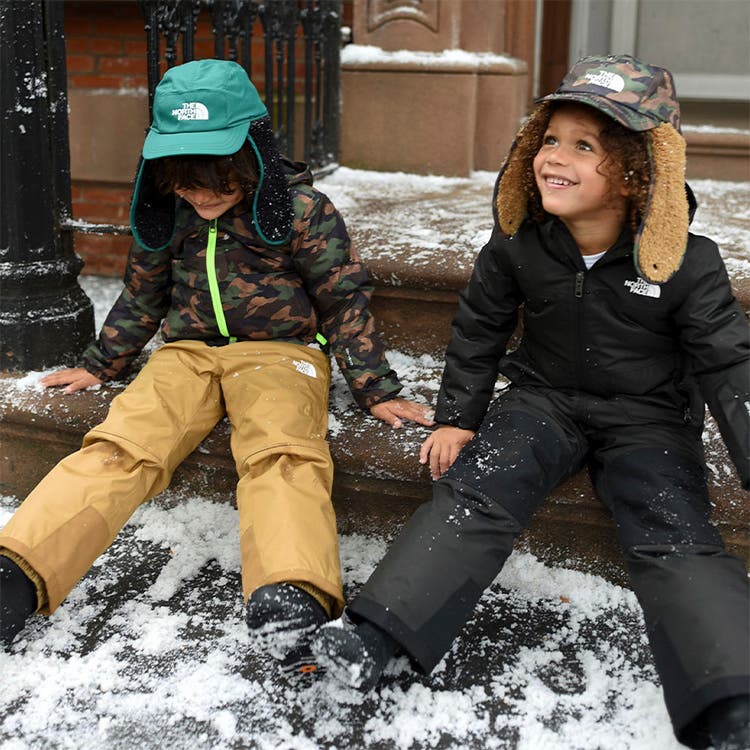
(213, 283)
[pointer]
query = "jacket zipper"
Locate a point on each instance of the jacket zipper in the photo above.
(213, 283)
(580, 277)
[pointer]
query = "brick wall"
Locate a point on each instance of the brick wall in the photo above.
(106, 54)
(107, 91)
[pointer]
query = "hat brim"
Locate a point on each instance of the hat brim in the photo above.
(206, 142)
(618, 111)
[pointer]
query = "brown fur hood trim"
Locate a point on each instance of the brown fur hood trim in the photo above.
(661, 239)
(641, 97)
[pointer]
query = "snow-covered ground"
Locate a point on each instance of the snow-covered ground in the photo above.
(150, 650)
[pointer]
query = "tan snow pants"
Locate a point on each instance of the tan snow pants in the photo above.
(276, 397)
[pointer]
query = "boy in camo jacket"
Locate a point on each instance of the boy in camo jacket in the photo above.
(250, 272)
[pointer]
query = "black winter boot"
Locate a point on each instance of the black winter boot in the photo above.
(281, 616)
(18, 600)
(729, 723)
(354, 654)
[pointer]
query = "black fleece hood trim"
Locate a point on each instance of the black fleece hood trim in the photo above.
(152, 215)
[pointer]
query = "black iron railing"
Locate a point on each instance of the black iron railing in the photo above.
(290, 30)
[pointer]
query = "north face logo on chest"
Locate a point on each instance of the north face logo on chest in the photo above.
(643, 288)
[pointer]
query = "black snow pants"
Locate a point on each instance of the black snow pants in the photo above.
(694, 595)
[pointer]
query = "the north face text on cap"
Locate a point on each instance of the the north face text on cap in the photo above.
(191, 111)
(606, 80)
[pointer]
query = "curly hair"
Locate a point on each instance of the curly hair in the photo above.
(627, 155)
(220, 174)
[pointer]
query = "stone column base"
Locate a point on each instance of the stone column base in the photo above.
(717, 155)
(446, 113)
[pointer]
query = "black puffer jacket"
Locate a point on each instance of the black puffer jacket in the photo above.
(604, 332)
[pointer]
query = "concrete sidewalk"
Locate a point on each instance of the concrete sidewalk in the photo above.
(151, 651)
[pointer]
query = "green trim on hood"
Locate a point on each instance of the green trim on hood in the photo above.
(256, 197)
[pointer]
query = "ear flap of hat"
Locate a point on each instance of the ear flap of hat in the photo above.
(512, 188)
(510, 196)
(152, 215)
(661, 240)
(273, 212)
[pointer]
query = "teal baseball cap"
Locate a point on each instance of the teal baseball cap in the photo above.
(203, 107)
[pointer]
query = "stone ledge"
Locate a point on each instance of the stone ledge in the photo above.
(718, 155)
(420, 236)
(366, 57)
(378, 482)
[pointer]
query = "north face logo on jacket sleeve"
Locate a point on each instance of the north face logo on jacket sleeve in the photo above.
(643, 288)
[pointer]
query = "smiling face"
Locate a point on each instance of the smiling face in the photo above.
(576, 180)
(209, 204)
(212, 185)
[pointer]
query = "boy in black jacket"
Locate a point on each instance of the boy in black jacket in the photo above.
(630, 326)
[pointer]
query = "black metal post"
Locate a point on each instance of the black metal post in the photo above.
(45, 317)
(332, 96)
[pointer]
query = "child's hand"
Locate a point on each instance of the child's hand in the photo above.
(76, 378)
(442, 448)
(395, 411)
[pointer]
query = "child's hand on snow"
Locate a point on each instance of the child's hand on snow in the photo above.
(75, 378)
(395, 411)
(442, 448)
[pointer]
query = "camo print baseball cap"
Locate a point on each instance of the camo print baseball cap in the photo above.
(635, 94)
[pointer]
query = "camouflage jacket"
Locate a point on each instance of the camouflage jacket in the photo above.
(316, 283)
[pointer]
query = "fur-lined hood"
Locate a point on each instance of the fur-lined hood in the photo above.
(641, 97)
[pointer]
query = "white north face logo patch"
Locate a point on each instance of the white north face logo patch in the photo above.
(191, 111)
(643, 288)
(305, 368)
(606, 79)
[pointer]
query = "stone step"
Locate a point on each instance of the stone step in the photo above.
(378, 481)
(718, 154)
(420, 237)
